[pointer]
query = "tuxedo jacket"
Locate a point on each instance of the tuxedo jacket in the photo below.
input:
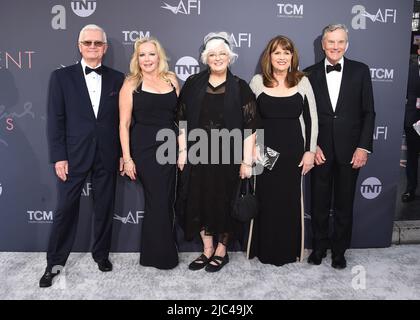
(412, 114)
(74, 133)
(352, 123)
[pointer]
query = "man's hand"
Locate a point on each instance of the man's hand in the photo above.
(319, 156)
(359, 159)
(62, 169)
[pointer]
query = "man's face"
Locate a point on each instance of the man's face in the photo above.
(92, 46)
(334, 45)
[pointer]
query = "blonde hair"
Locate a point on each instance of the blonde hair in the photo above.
(136, 74)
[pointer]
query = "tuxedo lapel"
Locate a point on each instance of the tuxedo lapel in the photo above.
(345, 81)
(82, 89)
(105, 90)
(322, 80)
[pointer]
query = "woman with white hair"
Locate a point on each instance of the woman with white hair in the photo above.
(214, 100)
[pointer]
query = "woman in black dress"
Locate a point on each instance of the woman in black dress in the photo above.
(149, 97)
(214, 100)
(287, 108)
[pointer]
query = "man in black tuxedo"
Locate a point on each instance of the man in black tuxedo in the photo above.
(412, 115)
(83, 139)
(344, 100)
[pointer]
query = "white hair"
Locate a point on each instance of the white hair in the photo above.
(215, 39)
(92, 27)
(333, 27)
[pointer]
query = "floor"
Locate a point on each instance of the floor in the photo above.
(389, 273)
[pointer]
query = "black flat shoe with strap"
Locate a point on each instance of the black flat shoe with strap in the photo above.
(199, 263)
(219, 263)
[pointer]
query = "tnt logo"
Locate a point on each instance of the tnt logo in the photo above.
(184, 7)
(287, 10)
(83, 8)
(371, 188)
(185, 67)
(382, 75)
(40, 216)
(381, 16)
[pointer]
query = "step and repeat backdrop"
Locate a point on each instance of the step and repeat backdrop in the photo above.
(37, 37)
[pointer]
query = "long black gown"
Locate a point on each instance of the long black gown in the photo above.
(277, 233)
(151, 113)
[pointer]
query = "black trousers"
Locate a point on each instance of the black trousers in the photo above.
(66, 216)
(413, 150)
(332, 190)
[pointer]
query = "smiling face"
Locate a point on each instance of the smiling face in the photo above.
(148, 57)
(334, 45)
(281, 59)
(218, 59)
(92, 47)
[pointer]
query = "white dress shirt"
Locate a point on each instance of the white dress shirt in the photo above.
(334, 82)
(94, 85)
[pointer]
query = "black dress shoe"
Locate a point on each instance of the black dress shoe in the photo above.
(104, 265)
(408, 196)
(339, 262)
(316, 257)
(47, 278)
(219, 263)
(199, 263)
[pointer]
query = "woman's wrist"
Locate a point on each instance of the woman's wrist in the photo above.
(246, 164)
(127, 160)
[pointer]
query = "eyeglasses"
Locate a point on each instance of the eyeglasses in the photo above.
(88, 43)
(214, 55)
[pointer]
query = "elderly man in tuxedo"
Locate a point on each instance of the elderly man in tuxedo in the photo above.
(412, 116)
(83, 139)
(344, 99)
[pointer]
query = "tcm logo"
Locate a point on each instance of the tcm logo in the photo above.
(381, 16)
(83, 8)
(184, 7)
(130, 218)
(381, 133)
(40, 216)
(185, 67)
(382, 75)
(21, 60)
(371, 188)
(131, 36)
(241, 40)
(287, 10)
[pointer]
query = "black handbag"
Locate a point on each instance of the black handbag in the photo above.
(245, 205)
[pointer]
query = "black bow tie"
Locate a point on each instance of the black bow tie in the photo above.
(98, 70)
(337, 67)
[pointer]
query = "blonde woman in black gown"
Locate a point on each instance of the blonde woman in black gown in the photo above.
(149, 98)
(287, 108)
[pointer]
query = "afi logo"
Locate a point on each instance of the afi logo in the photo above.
(83, 8)
(382, 75)
(287, 10)
(40, 216)
(380, 133)
(132, 36)
(87, 189)
(361, 15)
(371, 188)
(182, 8)
(185, 67)
(241, 39)
(130, 218)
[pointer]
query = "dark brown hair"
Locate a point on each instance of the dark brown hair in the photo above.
(293, 75)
